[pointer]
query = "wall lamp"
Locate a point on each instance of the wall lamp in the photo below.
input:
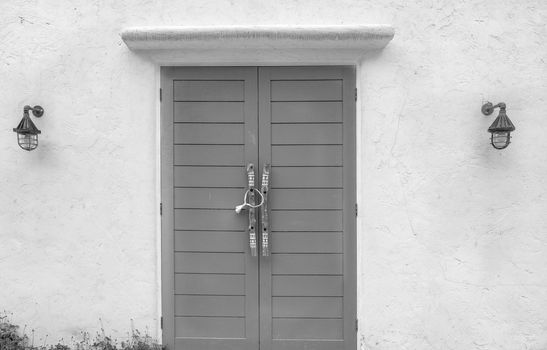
(501, 127)
(27, 132)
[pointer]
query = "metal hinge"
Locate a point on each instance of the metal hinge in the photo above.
(161, 322)
(356, 209)
(161, 208)
(160, 95)
(356, 325)
(355, 94)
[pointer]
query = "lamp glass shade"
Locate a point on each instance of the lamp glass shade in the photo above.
(28, 142)
(500, 139)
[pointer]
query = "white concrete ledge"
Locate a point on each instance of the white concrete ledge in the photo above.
(258, 44)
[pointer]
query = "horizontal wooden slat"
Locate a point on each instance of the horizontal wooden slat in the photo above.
(308, 73)
(307, 285)
(306, 199)
(306, 90)
(306, 112)
(209, 112)
(209, 284)
(300, 177)
(209, 90)
(210, 327)
(304, 264)
(213, 343)
(307, 134)
(210, 176)
(307, 328)
(209, 220)
(309, 344)
(209, 155)
(211, 241)
(219, 198)
(320, 220)
(209, 263)
(306, 242)
(318, 307)
(306, 155)
(218, 134)
(210, 305)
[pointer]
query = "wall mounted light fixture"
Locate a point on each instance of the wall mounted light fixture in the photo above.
(27, 132)
(502, 126)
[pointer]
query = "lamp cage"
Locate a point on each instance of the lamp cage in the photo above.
(27, 132)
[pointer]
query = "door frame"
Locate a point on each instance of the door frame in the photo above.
(356, 166)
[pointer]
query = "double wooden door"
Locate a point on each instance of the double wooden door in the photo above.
(215, 293)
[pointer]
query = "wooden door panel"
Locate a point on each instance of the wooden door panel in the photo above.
(210, 305)
(209, 134)
(205, 219)
(312, 285)
(209, 284)
(307, 328)
(307, 177)
(307, 307)
(305, 155)
(307, 264)
(209, 112)
(306, 90)
(207, 198)
(211, 241)
(213, 262)
(307, 285)
(305, 198)
(307, 220)
(213, 155)
(306, 134)
(307, 242)
(209, 90)
(287, 344)
(210, 327)
(306, 112)
(210, 281)
(210, 176)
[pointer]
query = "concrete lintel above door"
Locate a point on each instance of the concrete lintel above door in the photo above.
(254, 45)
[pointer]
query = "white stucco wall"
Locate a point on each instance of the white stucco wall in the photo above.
(452, 234)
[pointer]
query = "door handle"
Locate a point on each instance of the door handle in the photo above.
(250, 203)
(252, 216)
(265, 207)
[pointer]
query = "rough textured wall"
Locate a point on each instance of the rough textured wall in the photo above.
(452, 233)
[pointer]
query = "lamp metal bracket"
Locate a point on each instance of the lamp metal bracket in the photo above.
(488, 107)
(37, 111)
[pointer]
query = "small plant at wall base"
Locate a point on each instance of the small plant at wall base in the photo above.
(13, 338)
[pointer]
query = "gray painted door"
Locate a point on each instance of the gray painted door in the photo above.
(307, 285)
(215, 121)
